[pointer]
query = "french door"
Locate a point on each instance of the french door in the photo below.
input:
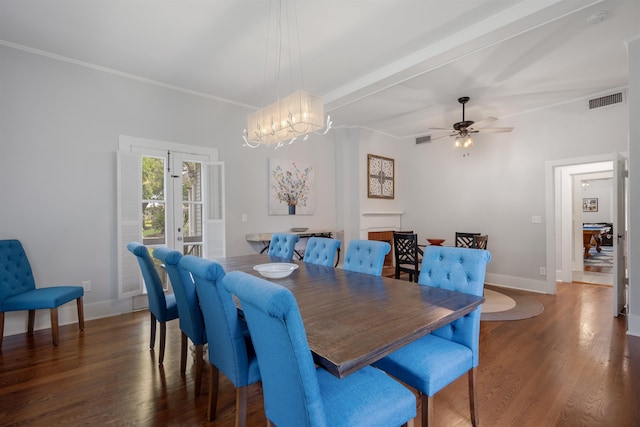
(170, 197)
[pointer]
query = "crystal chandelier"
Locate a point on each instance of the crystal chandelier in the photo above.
(293, 117)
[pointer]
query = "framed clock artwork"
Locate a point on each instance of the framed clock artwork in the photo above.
(380, 174)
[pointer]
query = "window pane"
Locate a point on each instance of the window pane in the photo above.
(192, 222)
(195, 250)
(191, 181)
(153, 178)
(153, 220)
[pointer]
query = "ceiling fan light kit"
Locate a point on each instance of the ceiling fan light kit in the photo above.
(463, 129)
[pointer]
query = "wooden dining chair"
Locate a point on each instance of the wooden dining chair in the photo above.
(162, 307)
(406, 253)
(480, 242)
(465, 240)
(430, 363)
(296, 392)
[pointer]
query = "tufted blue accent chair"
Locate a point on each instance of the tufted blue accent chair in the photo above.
(434, 361)
(321, 251)
(191, 321)
(366, 256)
(162, 308)
(230, 347)
(298, 394)
(282, 245)
(18, 290)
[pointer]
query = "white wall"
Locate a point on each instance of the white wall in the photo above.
(500, 185)
(601, 189)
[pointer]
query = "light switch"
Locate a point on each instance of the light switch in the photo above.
(244, 217)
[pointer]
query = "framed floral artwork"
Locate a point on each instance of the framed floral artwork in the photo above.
(291, 187)
(380, 177)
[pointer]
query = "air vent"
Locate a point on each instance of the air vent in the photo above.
(423, 139)
(603, 101)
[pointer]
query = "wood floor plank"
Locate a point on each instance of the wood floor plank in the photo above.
(573, 365)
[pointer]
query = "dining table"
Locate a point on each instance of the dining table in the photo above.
(354, 319)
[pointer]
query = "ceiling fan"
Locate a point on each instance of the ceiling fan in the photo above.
(462, 130)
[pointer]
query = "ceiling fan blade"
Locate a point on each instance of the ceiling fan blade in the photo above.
(442, 129)
(494, 130)
(482, 123)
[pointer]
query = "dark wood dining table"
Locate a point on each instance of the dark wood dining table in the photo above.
(354, 319)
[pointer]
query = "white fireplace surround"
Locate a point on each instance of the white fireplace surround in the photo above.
(379, 221)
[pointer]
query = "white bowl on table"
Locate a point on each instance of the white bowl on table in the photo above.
(276, 270)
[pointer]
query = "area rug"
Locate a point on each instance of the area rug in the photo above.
(604, 258)
(502, 304)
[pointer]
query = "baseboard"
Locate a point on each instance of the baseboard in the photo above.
(539, 286)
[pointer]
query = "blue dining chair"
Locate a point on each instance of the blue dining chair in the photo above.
(282, 245)
(321, 251)
(230, 348)
(189, 314)
(435, 360)
(366, 256)
(298, 394)
(162, 308)
(18, 291)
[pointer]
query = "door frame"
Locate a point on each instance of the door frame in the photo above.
(554, 186)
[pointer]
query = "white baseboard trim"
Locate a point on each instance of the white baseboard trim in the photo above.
(15, 322)
(520, 283)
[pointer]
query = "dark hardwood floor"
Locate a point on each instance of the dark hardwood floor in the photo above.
(573, 365)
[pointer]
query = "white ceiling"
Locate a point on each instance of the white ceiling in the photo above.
(396, 66)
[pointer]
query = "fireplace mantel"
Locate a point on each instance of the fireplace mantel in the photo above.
(379, 220)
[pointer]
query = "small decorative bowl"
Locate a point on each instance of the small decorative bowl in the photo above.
(436, 242)
(276, 270)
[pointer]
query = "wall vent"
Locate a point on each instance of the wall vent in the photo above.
(423, 139)
(603, 101)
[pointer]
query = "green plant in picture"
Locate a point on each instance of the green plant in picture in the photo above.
(291, 186)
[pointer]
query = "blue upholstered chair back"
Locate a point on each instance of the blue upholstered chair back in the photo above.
(290, 385)
(282, 245)
(462, 270)
(16, 276)
(321, 251)
(155, 293)
(191, 320)
(225, 333)
(366, 256)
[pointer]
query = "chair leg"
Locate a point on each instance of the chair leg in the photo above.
(472, 396)
(152, 339)
(241, 406)
(1, 327)
(213, 392)
(31, 322)
(54, 325)
(80, 313)
(163, 341)
(199, 368)
(184, 349)
(427, 409)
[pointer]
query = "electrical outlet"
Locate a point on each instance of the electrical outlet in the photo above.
(244, 217)
(86, 284)
(543, 271)
(536, 219)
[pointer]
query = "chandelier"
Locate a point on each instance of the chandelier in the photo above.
(293, 117)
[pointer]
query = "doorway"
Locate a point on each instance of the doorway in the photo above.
(564, 220)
